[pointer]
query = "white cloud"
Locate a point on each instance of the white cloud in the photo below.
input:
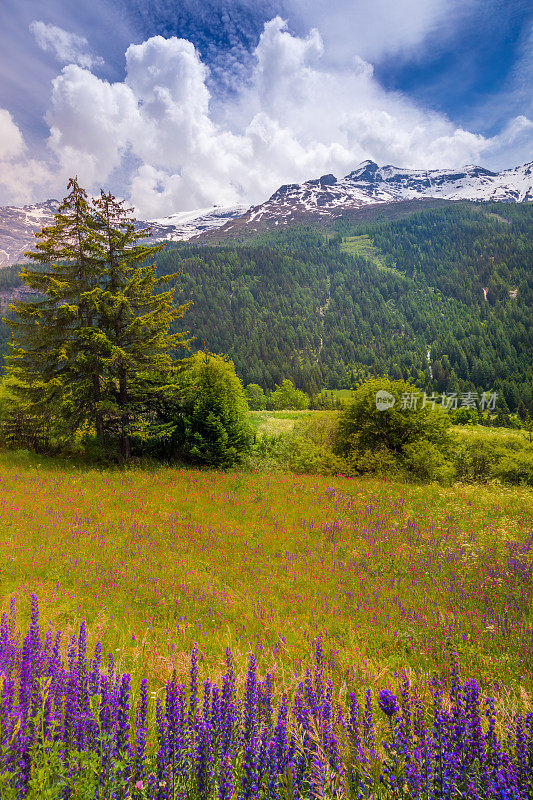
(375, 29)
(67, 47)
(11, 141)
(90, 122)
(296, 116)
(20, 176)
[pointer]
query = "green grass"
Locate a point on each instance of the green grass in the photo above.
(363, 245)
(275, 423)
(392, 576)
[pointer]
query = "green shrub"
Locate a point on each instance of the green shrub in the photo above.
(424, 460)
(215, 412)
(309, 449)
(394, 439)
(516, 468)
(287, 397)
(256, 397)
(487, 454)
(380, 461)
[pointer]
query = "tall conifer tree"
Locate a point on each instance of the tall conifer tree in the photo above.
(99, 321)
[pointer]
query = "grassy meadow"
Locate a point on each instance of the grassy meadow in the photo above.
(392, 576)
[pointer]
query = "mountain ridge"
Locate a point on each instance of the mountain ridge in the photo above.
(327, 198)
(319, 200)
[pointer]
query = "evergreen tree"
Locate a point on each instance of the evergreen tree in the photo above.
(215, 411)
(51, 361)
(99, 322)
(255, 396)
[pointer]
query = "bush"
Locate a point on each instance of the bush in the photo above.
(483, 455)
(20, 427)
(215, 412)
(424, 460)
(256, 397)
(515, 468)
(414, 440)
(309, 448)
(464, 416)
(287, 398)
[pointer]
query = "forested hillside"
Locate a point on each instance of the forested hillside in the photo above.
(327, 309)
(455, 282)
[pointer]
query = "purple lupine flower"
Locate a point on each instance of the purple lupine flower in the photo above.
(82, 680)
(406, 715)
(354, 735)
(250, 781)
(267, 691)
(141, 733)
(456, 759)
(207, 701)
(94, 680)
(522, 755)
(388, 703)
(122, 734)
(163, 753)
(273, 770)
(250, 701)
(263, 754)
(368, 725)
(193, 698)
(226, 784)
(476, 743)
(215, 718)
(205, 773)
(280, 736)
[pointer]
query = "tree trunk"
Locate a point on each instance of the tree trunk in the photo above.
(99, 416)
(125, 444)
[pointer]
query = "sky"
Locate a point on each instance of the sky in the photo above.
(184, 104)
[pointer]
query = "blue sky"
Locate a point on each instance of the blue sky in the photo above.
(185, 104)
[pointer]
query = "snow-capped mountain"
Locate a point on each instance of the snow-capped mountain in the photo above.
(369, 184)
(319, 199)
(185, 224)
(18, 224)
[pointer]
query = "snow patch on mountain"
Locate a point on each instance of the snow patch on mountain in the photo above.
(183, 225)
(369, 184)
(324, 197)
(18, 225)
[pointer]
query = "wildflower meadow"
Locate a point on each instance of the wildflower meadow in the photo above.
(215, 635)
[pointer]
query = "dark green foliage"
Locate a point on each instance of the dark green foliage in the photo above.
(255, 397)
(287, 397)
(481, 455)
(99, 319)
(20, 428)
(216, 432)
(309, 448)
(397, 438)
(293, 305)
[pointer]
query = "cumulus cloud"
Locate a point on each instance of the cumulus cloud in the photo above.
(296, 116)
(20, 177)
(67, 47)
(379, 28)
(11, 141)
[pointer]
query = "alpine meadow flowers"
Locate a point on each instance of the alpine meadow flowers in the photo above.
(70, 728)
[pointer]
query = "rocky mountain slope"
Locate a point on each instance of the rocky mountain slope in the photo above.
(18, 224)
(327, 198)
(319, 200)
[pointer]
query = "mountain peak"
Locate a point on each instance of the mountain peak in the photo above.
(323, 198)
(369, 184)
